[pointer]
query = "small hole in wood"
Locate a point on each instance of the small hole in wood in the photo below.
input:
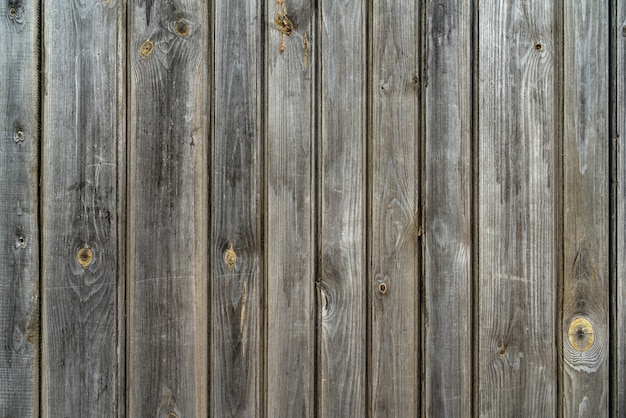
(19, 135)
(12, 12)
(382, 288)
(538, 46)
(502, 351)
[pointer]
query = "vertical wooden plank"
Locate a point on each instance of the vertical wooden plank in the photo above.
(19, 209)
(620, 297)
(518, 130)
(290, 226)
(586, 185)
(447, 209)
(82, 124)
(168, 196)
(394, 233)
(342, 305)
(237, 211)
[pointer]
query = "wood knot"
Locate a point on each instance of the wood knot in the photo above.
(181, 27)
(230, 258)
(283, 23)
(383, 288)
(19, 135)
(502, 350)
(580, 334)
(146, 48)
(16, 13)
(84, 256)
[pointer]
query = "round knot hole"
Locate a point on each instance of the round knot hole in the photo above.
(181, 27)
(20, 243)
(580, 334)
(383, 288)
(146, 48)
(538, 46)
(84, 256)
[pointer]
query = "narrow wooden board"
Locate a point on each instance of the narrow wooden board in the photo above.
(518, 134)
(82, 115)
(236, 251)
(447, 188)
(619, 332)
(290, 222)
(585, 321)
(19, 210)
(168, 208)
(342, 301)
(394, 227)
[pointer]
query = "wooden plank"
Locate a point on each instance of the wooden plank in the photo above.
(619, 390)
(518, 133)
(19, 210)
(168, 213)
(585, 318)
(290, 222)
(394, 227)
(342, 303)
(447, 210)
(82, 124)
(236, 251)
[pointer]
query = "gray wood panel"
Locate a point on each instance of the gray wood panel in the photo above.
(82, 119)
(394, 228)
(19, 210)
(342, 304)
(236, 251)
(447, 198)
(619, 342)
(168, 208)
(518, 134)
(585, 322)
(290, 222)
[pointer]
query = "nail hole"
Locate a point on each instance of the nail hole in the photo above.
(21, 242)
(538, 46)
(19, 135)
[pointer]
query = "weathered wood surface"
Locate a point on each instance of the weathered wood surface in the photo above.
(619, 342)
(290, 220)
(446, 190)
(236, 251)
(517, 190)
(168, 196)
(19, 210)
(585, 322)
(394, 228)
(83, 95)
(341, 277)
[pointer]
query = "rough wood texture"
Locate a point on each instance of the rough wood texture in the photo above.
(168, 196)
(619, 391)
(447, 216)
(83, 77)
(586, 186)
(517, 210)
(236, 252)
(342, 269)
(394, 227)
(290, 222)
(19, 210)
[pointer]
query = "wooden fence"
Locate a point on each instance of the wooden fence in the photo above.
(312, 208)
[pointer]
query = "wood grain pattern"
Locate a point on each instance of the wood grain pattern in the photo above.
(518, 130)
(236, 252)
(619, 380)
(586, 187)
(394, 227)
(342, 272)
(290, 214)
(447, 214)
(19, 210)
(80, 255)
(168, 196)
